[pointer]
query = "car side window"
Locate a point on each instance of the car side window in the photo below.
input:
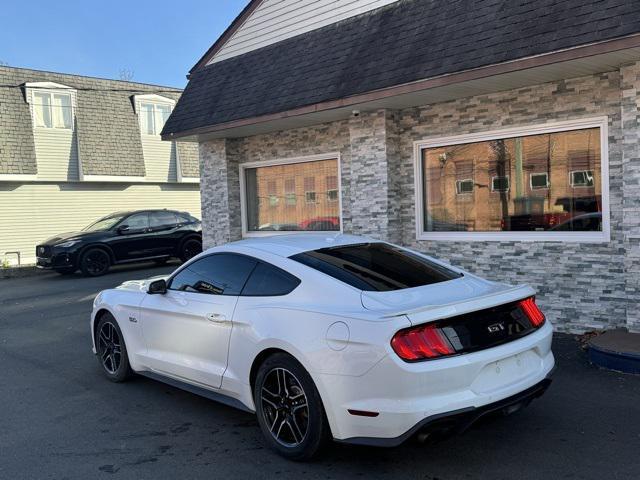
(269, 281)
(162, 219)
(217, 274)
(137, 221)
(186, 218)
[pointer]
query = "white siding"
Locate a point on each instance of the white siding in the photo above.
(159, 159)
(32, 212)
(276, 20)
(56, 154)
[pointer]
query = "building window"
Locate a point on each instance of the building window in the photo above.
(499, 184)
(290, 192)
(464, 187)
(301, 180)
(555, 159)
(52, 110)
(582, 178)
(332, 188)
(153, 116)
(310, 189)
(539, 181)
(272, 187)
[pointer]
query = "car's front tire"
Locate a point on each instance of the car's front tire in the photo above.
(95, 262)
(111, 349)
(289, 409)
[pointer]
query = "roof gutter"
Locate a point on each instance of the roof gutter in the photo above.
(573, 53)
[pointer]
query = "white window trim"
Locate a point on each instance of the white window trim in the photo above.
(17, 177)
(459, 182)
(154, 100)
(287, 161)
(114, 178)
(552, 127)
(493, 190)
(51, 88)
(531, 175)
(573, 185)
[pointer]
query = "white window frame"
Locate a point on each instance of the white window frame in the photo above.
(495, 177)
(315, 197)
(538, 174)
(460, 182)
(155, 101)
(287, 161)
(573, 185)
(50, 88)
(330, 193)
(548, 236)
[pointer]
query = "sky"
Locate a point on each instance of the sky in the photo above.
(156, 41)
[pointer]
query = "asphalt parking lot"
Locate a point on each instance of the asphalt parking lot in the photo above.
(59, 418)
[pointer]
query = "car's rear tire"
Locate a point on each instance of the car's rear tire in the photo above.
(95, 262)
(289, 409)
(111, 349)
(190, 248)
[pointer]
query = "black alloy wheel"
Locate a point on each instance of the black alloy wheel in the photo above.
(190, 249)
(95, 262)
(285, 407)
(289, 409)
(111, 349)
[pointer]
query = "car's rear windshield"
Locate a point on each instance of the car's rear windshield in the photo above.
(377, 267)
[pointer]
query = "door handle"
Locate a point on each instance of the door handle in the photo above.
(216, 318)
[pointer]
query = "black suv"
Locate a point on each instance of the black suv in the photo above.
(123, 238)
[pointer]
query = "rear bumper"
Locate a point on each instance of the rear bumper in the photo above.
(457, 421)
(404, 397)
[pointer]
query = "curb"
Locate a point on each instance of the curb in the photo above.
(19, 272)
(616, 350)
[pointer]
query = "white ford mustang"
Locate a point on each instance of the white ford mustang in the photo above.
(323, 337)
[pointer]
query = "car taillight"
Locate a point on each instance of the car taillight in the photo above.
(531, 310)
(421, 343)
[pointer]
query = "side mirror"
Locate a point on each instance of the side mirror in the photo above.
(122, 229)
(157, 287)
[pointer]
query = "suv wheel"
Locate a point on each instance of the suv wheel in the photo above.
(289, 408)
(190, 248)
(95, 262)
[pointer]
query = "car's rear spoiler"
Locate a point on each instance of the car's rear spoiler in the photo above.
(435, 312)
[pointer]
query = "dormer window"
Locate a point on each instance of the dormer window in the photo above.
(52, 110)
(153, 117)
(153, 112)
(51, 105)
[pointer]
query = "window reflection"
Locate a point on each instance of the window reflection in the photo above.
(532, 183)
(293, 197)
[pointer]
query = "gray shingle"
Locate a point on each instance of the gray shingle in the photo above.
(403, 42)
(107, 125)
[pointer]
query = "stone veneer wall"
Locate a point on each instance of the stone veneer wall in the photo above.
(581, 285)
(630, 108)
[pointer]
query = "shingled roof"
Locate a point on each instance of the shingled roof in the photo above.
(403, 42)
